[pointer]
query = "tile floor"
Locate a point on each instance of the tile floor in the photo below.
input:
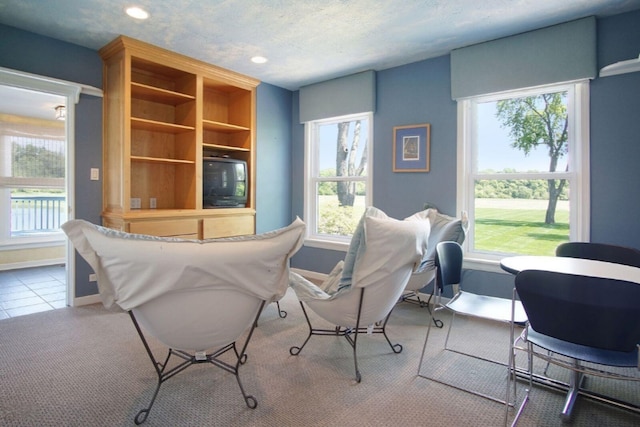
(32, 290)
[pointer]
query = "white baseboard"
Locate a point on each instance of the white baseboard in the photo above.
(30, 264)
(89, 299)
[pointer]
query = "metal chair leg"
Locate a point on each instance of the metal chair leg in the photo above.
(295, 350)
(281, 312)
(189, 359)
(350, 334)
(575, 382)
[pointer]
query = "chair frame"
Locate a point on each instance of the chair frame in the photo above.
(164, 373)
(475, 299)
(529, 340)
(282, 313)
(413, 297)
(573, 388)
(350, 334)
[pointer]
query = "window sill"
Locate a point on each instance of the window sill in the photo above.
(492, 266)
(31, 242)
(327, 244)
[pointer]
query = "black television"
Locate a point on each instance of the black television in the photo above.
(224, 183)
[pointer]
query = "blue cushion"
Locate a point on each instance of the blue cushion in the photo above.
(443, 228)
(357, 246)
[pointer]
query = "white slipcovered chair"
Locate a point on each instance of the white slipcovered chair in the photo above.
(361, 291)
(195, 297)
(444, 228)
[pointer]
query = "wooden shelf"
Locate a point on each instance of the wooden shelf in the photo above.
(161, 160)
(155, 126)
(154, 94)
(222, 127)
(226, 147)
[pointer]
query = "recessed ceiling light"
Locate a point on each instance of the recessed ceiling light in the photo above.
(137, 13)
(259, 59)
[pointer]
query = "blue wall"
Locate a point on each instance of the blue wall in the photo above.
(273, 169)
(615, 136)
(411, 94)
(24, 51)
(420, 93)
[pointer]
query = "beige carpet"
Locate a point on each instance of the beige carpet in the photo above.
(87, 367)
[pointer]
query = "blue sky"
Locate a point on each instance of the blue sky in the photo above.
(495, 150)
(328, 140)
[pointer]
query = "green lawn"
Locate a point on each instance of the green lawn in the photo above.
(501, 225)
(521, 231)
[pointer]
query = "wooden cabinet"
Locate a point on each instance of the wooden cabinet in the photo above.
(162, 113)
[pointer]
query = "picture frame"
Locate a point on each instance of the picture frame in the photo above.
(411, 148)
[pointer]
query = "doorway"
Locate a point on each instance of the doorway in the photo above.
(36, 173)
(32, 177)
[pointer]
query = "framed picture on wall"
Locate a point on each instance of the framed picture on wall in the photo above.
(411, 147)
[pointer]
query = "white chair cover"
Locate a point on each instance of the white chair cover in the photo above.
(443, 228)
(189, 294)
(393, 249)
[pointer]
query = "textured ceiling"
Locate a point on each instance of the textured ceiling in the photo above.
(306, 41)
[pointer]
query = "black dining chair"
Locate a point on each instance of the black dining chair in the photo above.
(576, 319)
(600, 252)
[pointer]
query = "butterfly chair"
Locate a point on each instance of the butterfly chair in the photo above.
(579, 319)
(448, 260)
(443, 228)
(600, 252)
(362, 290)
(199, 298)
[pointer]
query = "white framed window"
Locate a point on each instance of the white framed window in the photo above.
(33, 200)
(523, 171)
(338, 173)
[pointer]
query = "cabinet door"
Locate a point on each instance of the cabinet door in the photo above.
(226, 226)
(184, 228)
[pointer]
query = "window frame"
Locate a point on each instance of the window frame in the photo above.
(9, 183)
(579, 173)
(312, 178)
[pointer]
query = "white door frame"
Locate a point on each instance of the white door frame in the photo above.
(71, 91)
